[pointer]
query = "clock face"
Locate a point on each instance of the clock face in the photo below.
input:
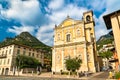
(88, 18)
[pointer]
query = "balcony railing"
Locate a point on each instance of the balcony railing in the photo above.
(3, 55)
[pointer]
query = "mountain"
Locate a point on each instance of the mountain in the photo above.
(25, 38)
(105, 39)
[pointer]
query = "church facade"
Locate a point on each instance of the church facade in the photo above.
(75, 38)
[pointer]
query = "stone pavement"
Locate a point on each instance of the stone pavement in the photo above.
(67, 76)
(95, 76)
(49, 76)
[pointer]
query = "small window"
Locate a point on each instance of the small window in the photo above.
(18, 51)
(6, 52)
(18, 46)
(33, 54)
(24, 52)
(10, 51)
(68, 37)
(29, 53)
(4, 61)
(29, 49)
(8, 61)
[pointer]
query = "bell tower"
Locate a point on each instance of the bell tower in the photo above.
(90, 40)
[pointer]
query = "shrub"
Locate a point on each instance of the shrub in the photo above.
(64, 73)
(117, 75)
(73, 73)
(72, 64)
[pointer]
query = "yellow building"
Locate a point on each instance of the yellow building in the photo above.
(75, 38)
(8, 55)
(112, 20)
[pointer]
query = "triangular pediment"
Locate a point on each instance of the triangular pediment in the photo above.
(68, 22)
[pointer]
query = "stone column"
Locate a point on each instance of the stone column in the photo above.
(53, 60)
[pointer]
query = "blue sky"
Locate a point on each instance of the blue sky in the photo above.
(39, 16)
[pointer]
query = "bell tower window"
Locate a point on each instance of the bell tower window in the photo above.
(88, 18)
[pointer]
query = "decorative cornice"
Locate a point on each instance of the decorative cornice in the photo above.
(69, 44)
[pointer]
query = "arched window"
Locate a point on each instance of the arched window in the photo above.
(68, 37)
(88, 18)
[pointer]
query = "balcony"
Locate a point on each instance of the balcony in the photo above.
(3, 55)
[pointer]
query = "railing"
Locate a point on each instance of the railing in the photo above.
(3, 55)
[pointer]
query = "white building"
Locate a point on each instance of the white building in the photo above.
(8, 55)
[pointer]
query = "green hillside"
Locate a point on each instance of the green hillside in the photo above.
(105, 39)
(27, 39)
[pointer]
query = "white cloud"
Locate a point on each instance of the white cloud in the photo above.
(112, 5)
(56, 4)
(18, 30)
(73, 11)
(24, 11)
(45, 34)
(97, 5)
(100, 30)
(0, 6)
(0, 12)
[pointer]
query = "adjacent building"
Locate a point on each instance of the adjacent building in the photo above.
(75, 38)
(8, 57)
(112, 21)
(106, 47)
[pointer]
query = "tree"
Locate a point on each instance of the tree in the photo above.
(73, 64)
(107, 54)
(26, 62)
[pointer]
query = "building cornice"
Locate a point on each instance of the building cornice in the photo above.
(69, 44)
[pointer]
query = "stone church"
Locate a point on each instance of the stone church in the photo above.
(75, 38)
